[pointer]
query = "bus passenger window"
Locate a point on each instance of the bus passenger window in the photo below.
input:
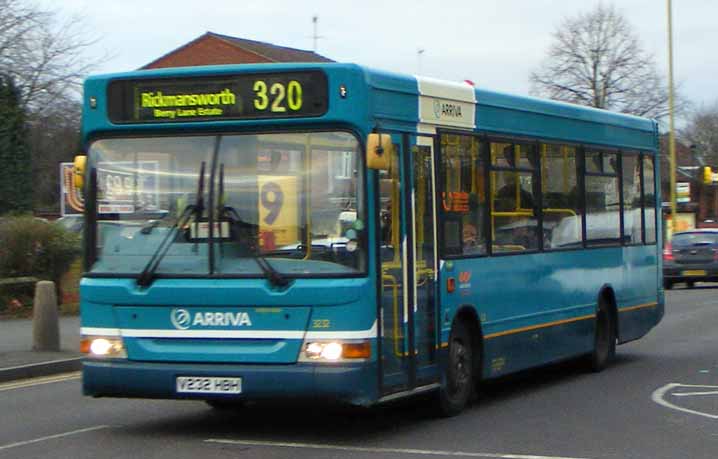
(631, 183)
(513, 204)
(515, 224)
(602, 199)
(463, 197)
(649, 199)
(561, 205)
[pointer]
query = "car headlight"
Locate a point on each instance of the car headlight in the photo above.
(335, 351)
(103, 347)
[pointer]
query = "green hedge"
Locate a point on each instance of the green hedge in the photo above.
(33, 247)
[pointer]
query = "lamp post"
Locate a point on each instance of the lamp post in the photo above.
(671, 133)
(419, 54)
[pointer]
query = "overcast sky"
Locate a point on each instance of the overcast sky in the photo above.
(495, 43)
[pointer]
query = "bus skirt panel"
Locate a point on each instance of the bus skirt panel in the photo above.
(354, 384)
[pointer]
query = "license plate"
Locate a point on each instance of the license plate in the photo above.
(208, 385)
(694, 272)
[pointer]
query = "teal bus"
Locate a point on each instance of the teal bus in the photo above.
(335, 233)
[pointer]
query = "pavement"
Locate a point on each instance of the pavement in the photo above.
(19, 361)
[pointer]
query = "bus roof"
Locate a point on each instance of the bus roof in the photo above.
(420, 104)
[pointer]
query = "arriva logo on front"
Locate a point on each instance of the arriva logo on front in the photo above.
(182, 319)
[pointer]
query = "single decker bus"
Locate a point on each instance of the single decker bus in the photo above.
(332, 232)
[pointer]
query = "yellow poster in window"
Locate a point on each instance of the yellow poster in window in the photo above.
(278, 211)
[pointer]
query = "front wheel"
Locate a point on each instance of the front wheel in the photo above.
(604, 343)
(457, 381)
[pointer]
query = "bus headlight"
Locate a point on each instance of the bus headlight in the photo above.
(103, 347)
(335, 351)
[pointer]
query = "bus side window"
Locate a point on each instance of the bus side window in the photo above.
(602, 199)
(631, 182)
(513, 204)
(649, 199)
(463, 196)
(561, 205)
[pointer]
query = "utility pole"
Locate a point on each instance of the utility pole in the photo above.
(671, 133)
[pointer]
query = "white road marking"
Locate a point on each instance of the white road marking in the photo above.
(658, 397)
(425, 452)
(31, 365)
(52, 437)
(40, 381)
(684, 394)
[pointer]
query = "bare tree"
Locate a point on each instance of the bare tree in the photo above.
(54, 137)
(597, 60)
(45, 53)
(16, 19)
(702, 131)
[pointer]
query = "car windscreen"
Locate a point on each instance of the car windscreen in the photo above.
(694, 239)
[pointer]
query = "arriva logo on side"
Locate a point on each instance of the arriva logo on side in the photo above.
(182, 319)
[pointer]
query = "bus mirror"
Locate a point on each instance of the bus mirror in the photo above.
(379, 151)
(78, 171)
(707, 175)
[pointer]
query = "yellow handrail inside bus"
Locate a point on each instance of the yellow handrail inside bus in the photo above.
(394, 285)
(420, 180)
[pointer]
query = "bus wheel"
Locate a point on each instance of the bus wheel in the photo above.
(604, 344)
(457, 380)
(690, 284)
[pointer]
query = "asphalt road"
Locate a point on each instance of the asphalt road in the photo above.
(659, 400)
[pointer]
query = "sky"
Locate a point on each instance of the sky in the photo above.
(494, 43)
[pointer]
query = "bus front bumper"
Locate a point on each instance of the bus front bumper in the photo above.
(354, 384)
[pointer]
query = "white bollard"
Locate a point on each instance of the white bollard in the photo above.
(45, 322)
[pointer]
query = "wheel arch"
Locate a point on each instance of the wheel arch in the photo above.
(608, 295)
(467, 314)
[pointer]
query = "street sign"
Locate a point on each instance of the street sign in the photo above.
(683, 192)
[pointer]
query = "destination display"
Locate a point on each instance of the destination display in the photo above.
(247, 96)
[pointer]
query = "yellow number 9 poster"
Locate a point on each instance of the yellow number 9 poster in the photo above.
(278, 206)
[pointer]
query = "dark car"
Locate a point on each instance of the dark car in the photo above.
(690, 257)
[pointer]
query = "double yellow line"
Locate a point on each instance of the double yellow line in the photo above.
(40, 381)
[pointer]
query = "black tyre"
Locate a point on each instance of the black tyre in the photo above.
(667, 284)
(690, 284)
(604, 344)
(457, 381)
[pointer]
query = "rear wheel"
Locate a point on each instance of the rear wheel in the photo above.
(457, 381)
(604, 345)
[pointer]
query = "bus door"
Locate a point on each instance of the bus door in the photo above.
(408, 266)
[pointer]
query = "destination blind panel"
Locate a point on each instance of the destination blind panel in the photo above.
(249, 96)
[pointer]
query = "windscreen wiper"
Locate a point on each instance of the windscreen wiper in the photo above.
(274, 276)
(147, 275)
